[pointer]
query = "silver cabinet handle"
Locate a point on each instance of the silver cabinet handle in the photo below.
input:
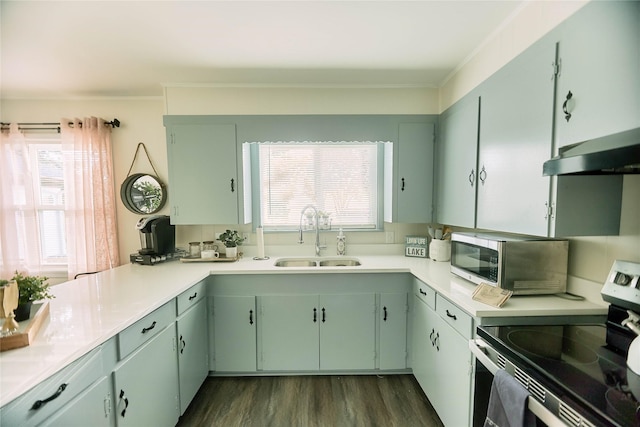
(482, 175)
(472, 177)
(565, 108)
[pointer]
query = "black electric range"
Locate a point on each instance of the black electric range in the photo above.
(577, 371)
(574, 363)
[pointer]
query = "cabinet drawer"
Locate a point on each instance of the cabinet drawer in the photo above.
(453, 315)
(189, 298)
(145, 328)
(53, 393)
(425, 293)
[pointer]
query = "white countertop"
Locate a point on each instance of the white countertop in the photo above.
(88, 311)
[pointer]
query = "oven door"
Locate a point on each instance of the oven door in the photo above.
(486, 368)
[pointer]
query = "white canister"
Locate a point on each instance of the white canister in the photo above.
(440, 250)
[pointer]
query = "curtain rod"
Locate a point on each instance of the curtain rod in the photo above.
(115, 123)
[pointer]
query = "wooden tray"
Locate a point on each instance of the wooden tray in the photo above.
(27, 329)
(221, 259)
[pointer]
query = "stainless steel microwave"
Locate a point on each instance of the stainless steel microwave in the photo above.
(525, 265)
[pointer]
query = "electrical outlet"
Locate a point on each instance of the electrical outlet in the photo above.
(389, 237)
(247, 238)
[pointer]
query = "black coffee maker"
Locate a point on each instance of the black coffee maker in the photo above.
(157, 240)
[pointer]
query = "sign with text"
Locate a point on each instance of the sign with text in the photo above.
(416, 246)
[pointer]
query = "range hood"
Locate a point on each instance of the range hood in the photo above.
(614, 154)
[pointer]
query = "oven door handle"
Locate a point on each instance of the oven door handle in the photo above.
(476, 346)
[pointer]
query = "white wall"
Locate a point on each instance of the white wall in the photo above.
(300, 100)
(528, 24)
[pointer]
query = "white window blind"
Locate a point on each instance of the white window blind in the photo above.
(340, 179)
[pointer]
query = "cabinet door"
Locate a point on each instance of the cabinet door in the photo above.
(415, 172)
(234, 323)
(599, 51)
(347, 331)
(515, 140)
(451, 380)
(423, 355)
(203, 173)
(92, 407)
(290, 332)
(146, 383)
(193, 363)
(457, 164)
(392, 318)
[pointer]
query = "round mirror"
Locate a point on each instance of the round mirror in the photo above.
(143, 194)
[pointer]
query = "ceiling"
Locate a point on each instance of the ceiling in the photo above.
(69, 49)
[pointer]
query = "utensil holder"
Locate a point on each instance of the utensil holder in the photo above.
(440, 250)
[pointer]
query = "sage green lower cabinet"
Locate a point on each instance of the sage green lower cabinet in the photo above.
(347, 331)
(423, 358)
(234, 324)
(290, 332)
(72, 390)
(392, 324)
(442, 360)
(91, 408)
(146, 383)
(311, 332)
(193, 363)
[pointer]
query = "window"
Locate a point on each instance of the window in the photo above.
(342, 180)
(45, 161)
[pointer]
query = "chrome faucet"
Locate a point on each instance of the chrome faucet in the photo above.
(300, 240)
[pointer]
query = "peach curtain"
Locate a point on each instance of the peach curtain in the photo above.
(19, 242)
(90, 201)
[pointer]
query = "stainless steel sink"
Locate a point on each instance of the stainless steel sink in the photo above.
(295, 262)
(317, 262)
(339, 262)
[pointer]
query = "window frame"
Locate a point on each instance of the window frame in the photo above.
(252, 164)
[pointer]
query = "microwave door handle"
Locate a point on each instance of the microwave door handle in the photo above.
(535, 407)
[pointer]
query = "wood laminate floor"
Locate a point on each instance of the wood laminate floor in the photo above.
(367, 400)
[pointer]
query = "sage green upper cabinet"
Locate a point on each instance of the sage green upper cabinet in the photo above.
(203, 171)
(599, 64)
(457, 154)
(516, 131)
(516, 125)
(414, 177)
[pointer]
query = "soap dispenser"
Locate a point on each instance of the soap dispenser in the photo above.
(342, 243)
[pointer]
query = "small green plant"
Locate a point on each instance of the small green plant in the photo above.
(231, 239)
(32, 288)
(3, 282)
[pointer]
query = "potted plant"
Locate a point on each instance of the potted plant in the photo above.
(30, 289)
(231, 240)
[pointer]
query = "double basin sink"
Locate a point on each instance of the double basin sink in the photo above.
(317, 262)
